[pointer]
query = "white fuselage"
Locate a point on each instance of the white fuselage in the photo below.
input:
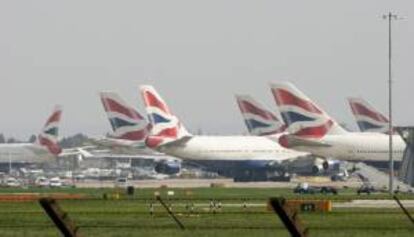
(23, 153)
(231, 148)
(357, 147)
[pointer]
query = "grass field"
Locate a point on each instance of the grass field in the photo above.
(129, 216)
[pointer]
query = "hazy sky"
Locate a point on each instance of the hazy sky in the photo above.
(197, 54)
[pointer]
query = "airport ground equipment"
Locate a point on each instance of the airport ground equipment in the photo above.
(289, 218)
(170, 213)
(406, 173)
(406, 212)
(60, 218)
(378, 179)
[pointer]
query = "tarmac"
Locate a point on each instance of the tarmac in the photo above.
(200, 183)
(373, 204)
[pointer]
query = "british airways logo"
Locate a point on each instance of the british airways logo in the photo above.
(125, 121)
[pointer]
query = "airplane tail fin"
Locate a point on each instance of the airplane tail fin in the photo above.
(302, 116)
(166, 127)
(259, 120)
(49, 135)
(367, 117)
(126, 122)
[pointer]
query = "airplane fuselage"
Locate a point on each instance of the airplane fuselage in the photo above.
(230, 154)
(370, 147)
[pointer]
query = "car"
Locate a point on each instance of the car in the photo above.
(328, 189)
(304, 188)
(121, 182)
(42, 182)
(368, 189)
(55, 182)
(12, 182)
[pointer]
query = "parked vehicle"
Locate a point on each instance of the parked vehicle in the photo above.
(42, 182)
(368, 189)
(121, 182)
(304, 188)
(55, 182)
(12, 182)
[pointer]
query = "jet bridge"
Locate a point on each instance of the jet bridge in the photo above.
(406, 173)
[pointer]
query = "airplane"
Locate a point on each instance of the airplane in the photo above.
(262, 122)
(259, 121)
(367, 117)
(244, 158)
(312, 130)
(44, 149)
(130, 129)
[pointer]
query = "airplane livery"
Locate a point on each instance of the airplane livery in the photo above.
(259, 121)
(45, 148)
(311, 129)
(127, 124)
(241, 157)
(367, 117)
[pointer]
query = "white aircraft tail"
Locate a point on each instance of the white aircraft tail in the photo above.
(166, 127)
(49, 135)
(126, 122)
(367, 117)
(259, 120)
(302, 116)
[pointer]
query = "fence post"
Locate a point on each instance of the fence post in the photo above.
(60, 218)
(171, 213)
(403, 208)
(290, 219)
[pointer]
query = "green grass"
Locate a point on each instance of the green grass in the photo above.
(130, 216)
(209, 193)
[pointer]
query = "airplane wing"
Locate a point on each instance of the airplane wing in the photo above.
(178, 142)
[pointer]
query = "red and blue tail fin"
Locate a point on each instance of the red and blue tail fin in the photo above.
(259, 120)
(49, 135)
(368, 118)
(302, 116)
(126, 122)
(165, 125)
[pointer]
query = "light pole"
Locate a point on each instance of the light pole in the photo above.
(390, 17)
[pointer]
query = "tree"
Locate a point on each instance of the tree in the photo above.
(32, 138)
(11, 140)
(2, 138)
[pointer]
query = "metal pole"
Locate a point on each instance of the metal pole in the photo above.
(10, 163)
(390, 16)
(391, 158)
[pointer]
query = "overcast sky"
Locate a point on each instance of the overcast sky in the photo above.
(197, 54)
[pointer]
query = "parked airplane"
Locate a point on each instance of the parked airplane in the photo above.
(367, 117)
(130, 129)
(45, 148)
(262, 122)
(313, 130)
(241, 157)
(259, 121)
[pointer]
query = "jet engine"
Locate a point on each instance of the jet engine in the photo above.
(331, 165)
(168, 167)
(321, 165)
(317, 166)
